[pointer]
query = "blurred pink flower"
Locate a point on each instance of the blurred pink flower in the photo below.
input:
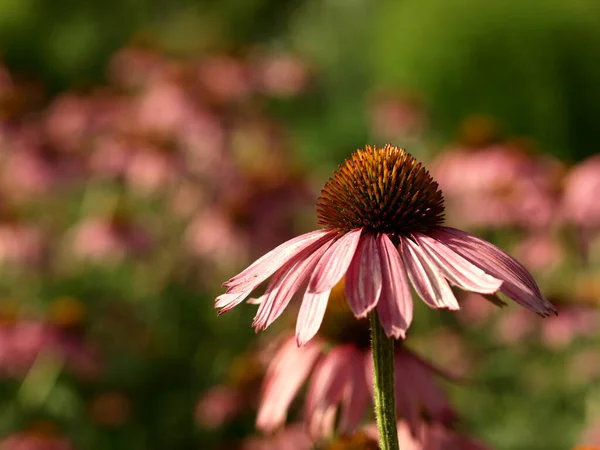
(590, 437)
(395, 117)
(282, 74)
(513, 327)
(560, 331)
(342, 378)
(110, 156)
(224, 79)
(581, 192)
(101, 240)
(26, 173)
(151, 169)
(498, 186)
(68, 121)
(23, 341)
(292, 437)
(430, 436)
(218, 406)
(212, 237)
(474, 310)
(161, 109)
(201, 140)
(20, 244)
(379, 246)
(134, 67)
(540, 251)
(557, 332)
(34, 441)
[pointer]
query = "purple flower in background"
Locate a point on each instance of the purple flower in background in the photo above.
(582, 188)
(381, 215)
(22, 342)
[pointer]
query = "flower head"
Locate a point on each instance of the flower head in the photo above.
(382, 216)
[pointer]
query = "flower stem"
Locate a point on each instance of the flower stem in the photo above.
(383, 375)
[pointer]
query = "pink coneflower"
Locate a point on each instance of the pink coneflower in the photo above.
(498, 185)
(341, 380)
(382, 216)
(338, 368)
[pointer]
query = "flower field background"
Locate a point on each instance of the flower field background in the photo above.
(150, 150)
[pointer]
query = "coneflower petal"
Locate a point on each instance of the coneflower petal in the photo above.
(363, 279)
(356, 395)
(417, 392)
(268, 264)
(286, 282)
(518, 284)
(290, 367)
(334, 263)
(395, 307)
(425, 277)
(229, 301)
(310, 316)
(457, 269)
(327, 386)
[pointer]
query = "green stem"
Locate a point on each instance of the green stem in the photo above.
(383, 376)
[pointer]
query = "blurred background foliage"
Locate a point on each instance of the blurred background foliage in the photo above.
(151, 148)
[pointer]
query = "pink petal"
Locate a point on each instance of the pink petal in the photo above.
(283, 379)
(407, 397)
(356, 395)
(418, 391)
(457, 269)
(256, 300)
(334, 263)
(426, 278)
(326, 390)
(518, 284)
(310, 316)
(266, 265)
(286, 283)
(363, 279)
(229, 301)
(395, 307)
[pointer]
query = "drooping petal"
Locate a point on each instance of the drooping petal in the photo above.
(457, 269)
(286, 283)
(417, 391)
(310, 316)
(326, 390)
(356, 395)
(363, 279)
(395, 307)
(518, 284)
(425, 277)
(334, 263)
(283, 379)
(268, 264)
